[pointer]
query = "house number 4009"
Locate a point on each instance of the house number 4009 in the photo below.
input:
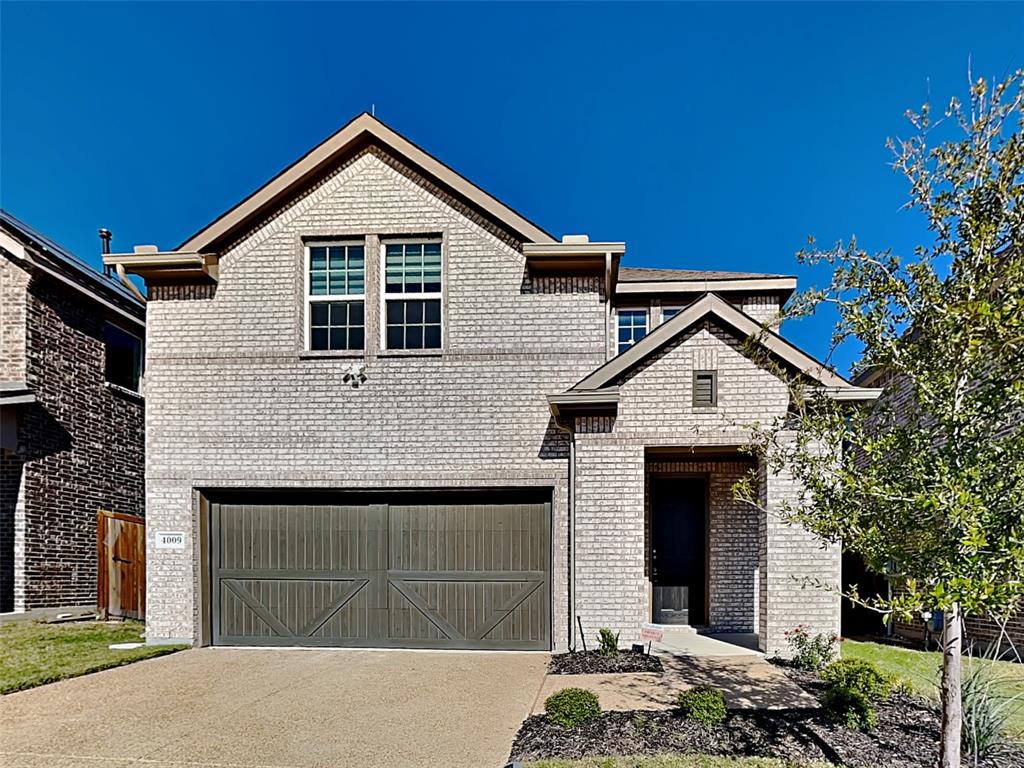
(170, 540)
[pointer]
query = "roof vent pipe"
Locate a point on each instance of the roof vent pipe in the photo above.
(105, 239)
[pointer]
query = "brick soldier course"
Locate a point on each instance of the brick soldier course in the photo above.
(73, 443)
(237, 403)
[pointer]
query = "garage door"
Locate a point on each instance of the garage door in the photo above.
(431, 574)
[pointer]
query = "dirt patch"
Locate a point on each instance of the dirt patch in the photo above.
(593, 663)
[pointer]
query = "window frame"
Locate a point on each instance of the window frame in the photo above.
(385, 297)
(647, 325)
(714, 388)
(309, 298)
(142, 357)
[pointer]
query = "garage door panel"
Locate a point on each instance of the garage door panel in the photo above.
(410, 575)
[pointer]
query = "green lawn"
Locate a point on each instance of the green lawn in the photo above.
(921, 669)
(32, 653)
(671, 761)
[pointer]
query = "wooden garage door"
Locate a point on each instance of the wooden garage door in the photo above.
(417, 575)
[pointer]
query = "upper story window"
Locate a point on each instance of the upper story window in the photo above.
(632, 327)
(335, 296)
(667, 313)
(123, 357)
(412, 294)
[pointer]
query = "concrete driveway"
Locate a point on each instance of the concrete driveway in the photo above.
(277, 709)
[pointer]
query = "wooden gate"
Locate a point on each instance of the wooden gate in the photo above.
(121, 557)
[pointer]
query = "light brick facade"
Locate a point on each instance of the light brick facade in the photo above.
(234, 401)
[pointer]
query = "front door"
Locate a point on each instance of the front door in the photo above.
(679, 549)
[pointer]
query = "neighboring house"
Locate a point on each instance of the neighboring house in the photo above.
(384, 409)
(71, 350)
(978, 630)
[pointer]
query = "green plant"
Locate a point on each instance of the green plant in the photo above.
(987, 708)
(901, 686)
(608, 643)
(570, 707)
(849, 707)
(859, 676)
(703, 704)
(811, 652)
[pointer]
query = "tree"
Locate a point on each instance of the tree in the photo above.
(931, 492)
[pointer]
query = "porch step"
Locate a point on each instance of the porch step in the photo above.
(674, 629)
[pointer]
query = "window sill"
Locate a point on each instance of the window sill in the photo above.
(330, 354)
(410, 353)
(131, 394)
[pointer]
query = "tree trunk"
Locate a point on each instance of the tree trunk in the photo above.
(952, 706)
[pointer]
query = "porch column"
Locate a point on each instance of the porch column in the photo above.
(788, 556)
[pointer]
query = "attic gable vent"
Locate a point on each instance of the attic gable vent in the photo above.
(705, 389)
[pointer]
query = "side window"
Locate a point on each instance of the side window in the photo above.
(667, 313)
(335, 296)
(412, 294)
(632, 327)
(123, 357)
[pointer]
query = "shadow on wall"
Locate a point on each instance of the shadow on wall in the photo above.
(49, 437)
(555, 445)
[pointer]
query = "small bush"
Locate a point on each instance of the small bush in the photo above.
(811, 652)
(901, 686)
(987, 707)
(570, 707)
(608, 643)
(858, 676)
(850, 708)
(703, 704)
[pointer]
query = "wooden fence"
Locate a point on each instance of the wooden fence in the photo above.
(121, 557)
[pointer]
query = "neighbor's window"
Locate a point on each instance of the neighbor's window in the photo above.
(705, 388)
(412, 294)
(632, 327)
(123, 353)
(335, 296)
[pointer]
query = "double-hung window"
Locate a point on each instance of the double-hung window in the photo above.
(412, 294)
(335, 296)
(632, 327)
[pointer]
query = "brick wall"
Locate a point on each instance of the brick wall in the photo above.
(655, 412)
(232, 401)
(79, 449)
(13, 285)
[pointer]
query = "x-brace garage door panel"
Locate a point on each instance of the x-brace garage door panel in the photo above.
(401, 575)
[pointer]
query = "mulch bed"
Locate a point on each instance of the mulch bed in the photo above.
(593, 663)
(907, 735)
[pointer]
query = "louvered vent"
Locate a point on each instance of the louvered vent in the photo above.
(705, 389)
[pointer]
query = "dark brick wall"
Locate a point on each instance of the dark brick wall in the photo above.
(81, 446)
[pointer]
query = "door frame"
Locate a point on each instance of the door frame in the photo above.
(705, 608)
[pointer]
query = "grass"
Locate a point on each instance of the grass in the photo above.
(33, 653)
(921, 670)
(672, 761)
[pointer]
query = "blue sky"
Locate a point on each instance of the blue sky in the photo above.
(705, 136)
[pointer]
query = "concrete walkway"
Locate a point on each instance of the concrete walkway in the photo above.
(278, 709)
(746, 680)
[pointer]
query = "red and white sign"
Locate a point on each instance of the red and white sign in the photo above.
(651, 633)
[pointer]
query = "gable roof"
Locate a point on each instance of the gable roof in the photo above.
(357, 134)
(650, 275)
(711, 305)
(29, 244)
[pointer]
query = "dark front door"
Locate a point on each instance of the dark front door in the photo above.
(679, 549)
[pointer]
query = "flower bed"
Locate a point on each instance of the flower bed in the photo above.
(593, 663)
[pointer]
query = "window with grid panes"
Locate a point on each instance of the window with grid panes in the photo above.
(412, 294)
(335, 296)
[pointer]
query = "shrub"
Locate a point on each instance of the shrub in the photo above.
(849, 707)
(570, 707)
(811, 652)
(703, 704)
(858, 676)
(608, 643)
(987, 706)
(902, 686)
